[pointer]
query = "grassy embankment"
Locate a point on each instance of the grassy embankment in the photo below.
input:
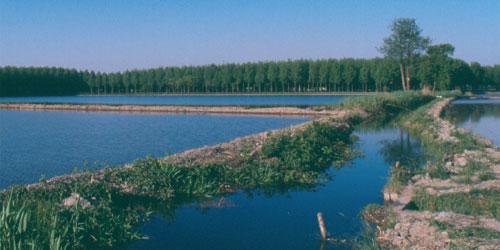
(100, 209)
(459, 186)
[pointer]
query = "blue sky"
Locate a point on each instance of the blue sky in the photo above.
(118, 35)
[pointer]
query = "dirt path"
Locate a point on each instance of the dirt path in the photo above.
(417, 229)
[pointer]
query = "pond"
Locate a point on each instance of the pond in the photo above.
(481, 116)
(287, 220)
(245, 100)
(51, 143)
(34, 143)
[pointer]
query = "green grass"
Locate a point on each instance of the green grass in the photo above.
(111, 219)
(467, 232)
(386, 106)
(474, 168)
(287, 161)
(425, 128)
(379, 215)
(476, 202)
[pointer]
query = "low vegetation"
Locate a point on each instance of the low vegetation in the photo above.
(469, 232)
(475, 202)
(38, 218)
(102, 209)
(458, 182)
(384, 107)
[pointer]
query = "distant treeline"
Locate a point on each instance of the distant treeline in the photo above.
(376, 74)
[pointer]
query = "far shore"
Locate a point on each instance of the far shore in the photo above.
(294, 111)
(242, 94)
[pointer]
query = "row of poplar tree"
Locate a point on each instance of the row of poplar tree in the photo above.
(436, 69)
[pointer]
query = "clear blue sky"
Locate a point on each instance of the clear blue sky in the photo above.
(118, 35)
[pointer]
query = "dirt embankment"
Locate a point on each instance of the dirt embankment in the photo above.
(233, 151)
(230, 153)
(168, 109)
(416, 229)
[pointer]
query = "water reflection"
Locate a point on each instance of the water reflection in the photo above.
(478, 116)
(286, 218)
(405, 149)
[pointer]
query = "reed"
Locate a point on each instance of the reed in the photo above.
(122, 198)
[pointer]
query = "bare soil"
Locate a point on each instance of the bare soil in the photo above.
(414, 229)
(169, 109)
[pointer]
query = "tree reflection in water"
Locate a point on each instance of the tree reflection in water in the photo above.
(405, 149)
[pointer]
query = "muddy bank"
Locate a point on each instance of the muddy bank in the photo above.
(451, 203)
(309, 111)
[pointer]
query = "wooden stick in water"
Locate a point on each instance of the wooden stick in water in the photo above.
(321, 223)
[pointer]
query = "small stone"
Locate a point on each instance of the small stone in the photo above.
(431, 191)
(461, 161)
(394, 196)
(73, 199)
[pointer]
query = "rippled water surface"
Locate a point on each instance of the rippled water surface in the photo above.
(33, 143)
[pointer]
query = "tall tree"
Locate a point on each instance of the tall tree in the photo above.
(272, 76)
(285, 76)
(324, 75)
(404, 44)
(433, 67)
(479, 75)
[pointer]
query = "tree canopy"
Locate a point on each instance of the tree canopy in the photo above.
(437, 68)
(403, 50)
(404, 44)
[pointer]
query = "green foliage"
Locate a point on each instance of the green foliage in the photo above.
(438, 171)
(122, 198)
(285, 76)
(36, 219)
(32, 81)
(468, 232)
(379, 215)
(435, 67)
(367, 240)
(317, 147)
(475, 202)
(404, 45)
(383, 107)
(405, 40)
(119, 201)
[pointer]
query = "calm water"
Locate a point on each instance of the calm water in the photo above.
(183, 100)
(288, 221)
(33, 144)
(51, 143)
(479, 116)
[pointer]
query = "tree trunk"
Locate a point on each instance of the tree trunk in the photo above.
(403, 80)
(408, 78)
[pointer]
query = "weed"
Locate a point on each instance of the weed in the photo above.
(476, 202)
